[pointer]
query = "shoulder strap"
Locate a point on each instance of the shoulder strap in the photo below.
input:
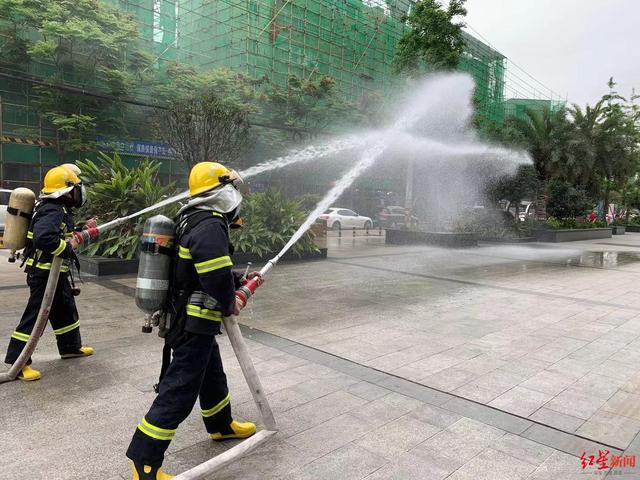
(190, 219)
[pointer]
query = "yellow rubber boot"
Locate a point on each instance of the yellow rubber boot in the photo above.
(240, 430)
(82, 352)
(147, 472)
(29, 374)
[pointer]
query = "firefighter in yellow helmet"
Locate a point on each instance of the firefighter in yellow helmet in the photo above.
(50, 224)
(203, 291)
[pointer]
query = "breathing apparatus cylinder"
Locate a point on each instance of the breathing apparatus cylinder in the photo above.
(154, 269)
(19, 213)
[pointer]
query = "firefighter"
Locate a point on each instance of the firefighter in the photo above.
(51, 223)
(203, 291)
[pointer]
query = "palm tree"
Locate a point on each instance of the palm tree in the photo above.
(546, 134)
(583, 145)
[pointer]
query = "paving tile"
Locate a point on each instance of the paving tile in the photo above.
(557, 420)
(475, 393)
(610, 428)
(448, 379)
(386, 409)
(482, 364)
(474, 429)
(366, 390)
(497, 381)
(520, 401)
(561, 466)
(327, 407)
(575, 404)
(493, 465)
(449, 451)
(561, 441)
(488, 415)
(435, 416)
(348, 462)
(397, 437)
(330, 435)
(411, 466)
(548, 382)
(625, 404)
(526, 366)
(523, 449)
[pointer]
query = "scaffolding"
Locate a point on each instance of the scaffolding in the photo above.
(352, 41)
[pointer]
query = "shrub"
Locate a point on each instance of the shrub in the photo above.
(565, 223)
(269, 222)
(489, 224)
(565, 201)
(115, 190)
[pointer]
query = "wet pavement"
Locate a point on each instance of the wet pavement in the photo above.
(497, 362)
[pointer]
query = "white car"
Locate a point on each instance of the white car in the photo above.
(4, 201)
(338, 218)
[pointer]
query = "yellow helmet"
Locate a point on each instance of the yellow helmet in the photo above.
(60, 180)
(73, 167)
(206, 176)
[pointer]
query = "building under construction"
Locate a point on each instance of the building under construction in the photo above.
(352, 41)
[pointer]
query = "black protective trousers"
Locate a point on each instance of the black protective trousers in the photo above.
(63, 316)
(195, 370)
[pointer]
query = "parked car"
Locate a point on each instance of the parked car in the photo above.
(338, 218)
(394, 216)
(4, 201)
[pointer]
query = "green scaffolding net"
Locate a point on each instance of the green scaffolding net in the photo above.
(352, 41)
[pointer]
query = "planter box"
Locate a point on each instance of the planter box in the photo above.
(633, 228)
(441, 239)
(244, 258)
(572, 235)
(618, 230)
(508, 240)
(101, 266)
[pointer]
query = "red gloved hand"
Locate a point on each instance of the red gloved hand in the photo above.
(253, 274)
(92, 222)
(236, 308)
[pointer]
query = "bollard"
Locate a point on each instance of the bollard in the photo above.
(380, 230)
(339, 230)
(354, 232)
(366, 231)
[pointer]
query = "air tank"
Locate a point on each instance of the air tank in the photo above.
(19, 210)
(154, 269)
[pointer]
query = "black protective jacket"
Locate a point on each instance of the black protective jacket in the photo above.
(50, 226)
(204, 272)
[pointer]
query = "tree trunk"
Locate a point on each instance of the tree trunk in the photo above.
(605, 207)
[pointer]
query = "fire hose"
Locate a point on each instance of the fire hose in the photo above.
(78, 238)
(243, 294)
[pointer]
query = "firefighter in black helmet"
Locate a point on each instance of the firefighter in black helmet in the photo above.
(52, 221)
(203, 291)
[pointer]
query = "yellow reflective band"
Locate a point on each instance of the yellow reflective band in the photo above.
(195, 311)
(216, 214)
(23, 337)
(68, 328)
(184, 253)
(213, 264)
(46, 266)
(60, 248)
(30, 235)
(155, 432)
(212, 411)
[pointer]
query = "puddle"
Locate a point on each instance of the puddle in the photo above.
(604, 259)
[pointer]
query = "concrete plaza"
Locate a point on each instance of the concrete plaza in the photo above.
(496, 362)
